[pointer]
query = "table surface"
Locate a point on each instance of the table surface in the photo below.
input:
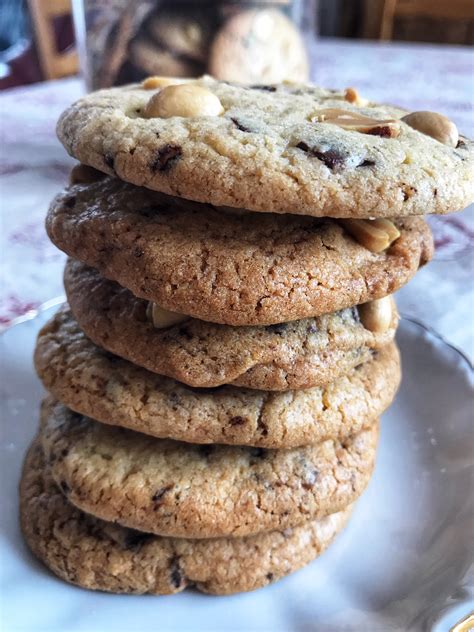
(34, 166)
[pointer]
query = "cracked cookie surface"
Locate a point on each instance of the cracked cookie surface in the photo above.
(98, 555)
(294, 355)
(267, 153)
(182, 490)
(235, 269)
(92, 382)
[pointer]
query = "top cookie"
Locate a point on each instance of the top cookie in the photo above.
(288, 148)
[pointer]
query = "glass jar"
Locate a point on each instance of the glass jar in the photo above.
(123, 41)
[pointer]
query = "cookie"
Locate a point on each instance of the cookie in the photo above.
(235, 269)
(258, 46)
(181, 490)
(186, 34)
(94, 383)
(282, 148)
(299, 354)
(152, 59)
(99, 555)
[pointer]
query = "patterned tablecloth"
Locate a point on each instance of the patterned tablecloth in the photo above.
(33, 167)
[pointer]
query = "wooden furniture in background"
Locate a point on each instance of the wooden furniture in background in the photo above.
(54, 63)
(443, 21)
(436, 9)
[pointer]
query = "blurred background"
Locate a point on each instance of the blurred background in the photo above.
(119, 40)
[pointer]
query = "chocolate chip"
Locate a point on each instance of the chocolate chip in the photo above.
(64, 452)
(332, 158)
(237, 421)
(461, 143)
(138, 252)
(264, 88)
(109, 161)
(135, 539)
(367, 163)
(435, 192)
(158, 495)
(64, 487)
(270, 577)
(239, 125)
(166, 156)
(261, 425)
(176, 575)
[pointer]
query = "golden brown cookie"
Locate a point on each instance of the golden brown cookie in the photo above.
(288, 148)
(235, 269)
(99, 555)
(97, 384)
(182, 490)
(258, 46)
(152, 59)
(298, 354)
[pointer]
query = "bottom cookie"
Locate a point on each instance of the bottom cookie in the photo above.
(102, 556)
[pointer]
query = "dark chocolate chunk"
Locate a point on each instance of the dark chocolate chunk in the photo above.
(165, 157)
(237, 421)
(261, 425)
(270, 577)
(239, 125)
(176, 574)
(158, 495)
(332, 158)
(367, 163)
(264, 87)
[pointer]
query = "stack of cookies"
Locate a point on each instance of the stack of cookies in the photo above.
(216, 378)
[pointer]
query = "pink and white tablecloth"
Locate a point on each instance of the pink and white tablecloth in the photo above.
(33, 167)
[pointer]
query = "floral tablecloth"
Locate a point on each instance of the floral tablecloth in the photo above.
(34, 166)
